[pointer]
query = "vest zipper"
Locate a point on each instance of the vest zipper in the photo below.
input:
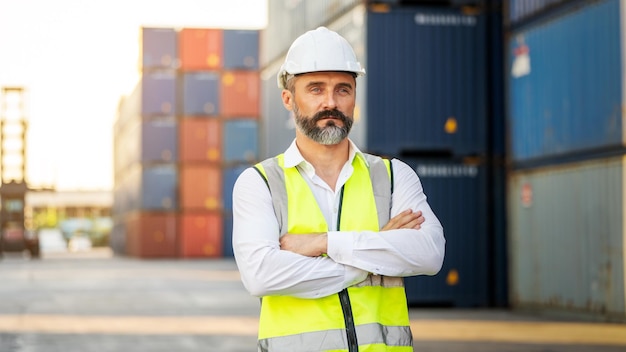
(344, 299)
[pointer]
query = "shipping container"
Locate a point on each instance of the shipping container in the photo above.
(200, 187)
(146, 141)
(200, 234)
(241, 49)
(427, 81)
(277, 129)
(159, 141)
(151, 234)
(158, 187)
(239, 95)
(200, 140)
(567, 236)
(240, 142)
(457, 193)
(201, 49)
(117, 238)
(230, 175)
(439, 3)
(158, 93)
(200, 93)
(158, 48)
(519, 11)
(287, 19)
(565, 86)
(154, 95)
(148, 187)
(227, 242)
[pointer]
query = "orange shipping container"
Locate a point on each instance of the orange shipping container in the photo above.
(151, 235)
(201, 234)
(200, 139)
(200, 187)
(240, 94)
(200, 49)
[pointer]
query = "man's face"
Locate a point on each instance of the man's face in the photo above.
(323, 105)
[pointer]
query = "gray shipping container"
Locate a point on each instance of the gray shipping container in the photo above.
(287, 19)
(566, 238)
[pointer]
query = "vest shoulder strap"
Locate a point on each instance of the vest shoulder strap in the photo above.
(271, 171)
(381, 174)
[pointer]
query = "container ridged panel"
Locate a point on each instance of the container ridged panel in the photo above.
(520, 10)
(426, 82)
(566, 230)
(565, 85)
(457, 194)
(287, 19)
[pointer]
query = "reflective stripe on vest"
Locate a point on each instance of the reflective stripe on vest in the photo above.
(378, 304)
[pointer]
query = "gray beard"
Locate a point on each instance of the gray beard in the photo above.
(330, 134)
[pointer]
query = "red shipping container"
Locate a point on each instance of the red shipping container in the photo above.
(150, 235)
(200, 139)
(200, 234)
(200, 187)
(200, 49)
(240, 94)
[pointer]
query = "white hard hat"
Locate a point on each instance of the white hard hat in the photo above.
(318, 50)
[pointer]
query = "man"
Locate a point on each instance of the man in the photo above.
(324, 233)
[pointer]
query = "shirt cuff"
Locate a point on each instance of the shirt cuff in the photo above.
(340, 247)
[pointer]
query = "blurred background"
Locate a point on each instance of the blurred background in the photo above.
(125, 124)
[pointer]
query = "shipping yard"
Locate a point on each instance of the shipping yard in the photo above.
(510, 112)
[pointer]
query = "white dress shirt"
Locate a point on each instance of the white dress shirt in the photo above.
(267, 270)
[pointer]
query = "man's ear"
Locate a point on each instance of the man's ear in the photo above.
(287, 99)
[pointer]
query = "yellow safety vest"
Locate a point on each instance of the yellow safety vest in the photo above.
(371, 316)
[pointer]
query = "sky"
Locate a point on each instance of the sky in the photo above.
(75, 59)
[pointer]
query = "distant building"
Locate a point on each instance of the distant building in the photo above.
(70, 211)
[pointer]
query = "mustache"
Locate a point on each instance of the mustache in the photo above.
(330, 114)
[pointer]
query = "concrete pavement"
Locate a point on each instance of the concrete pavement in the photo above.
(97, 302)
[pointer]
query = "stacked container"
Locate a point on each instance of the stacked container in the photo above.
(146, 153)
(432, 72)
(182, 130)
(566, 195)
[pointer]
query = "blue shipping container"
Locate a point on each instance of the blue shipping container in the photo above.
(241, 49)
(159, 141)
(229, 177)
(159, 48)
(565, 85)
(158, 93)
(240, 141)
(520, 10)
(457, 193)
(426, 81)
(159, 187)
(227, 239)
(200, 93)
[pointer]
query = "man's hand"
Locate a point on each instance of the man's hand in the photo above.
(405, 220)
(310, 245)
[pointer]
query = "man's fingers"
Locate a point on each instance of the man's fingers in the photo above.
(405, 220)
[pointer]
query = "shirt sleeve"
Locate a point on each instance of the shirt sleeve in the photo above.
(264, 268)
(402, 252)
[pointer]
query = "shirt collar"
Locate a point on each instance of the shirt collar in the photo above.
(294, 158)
